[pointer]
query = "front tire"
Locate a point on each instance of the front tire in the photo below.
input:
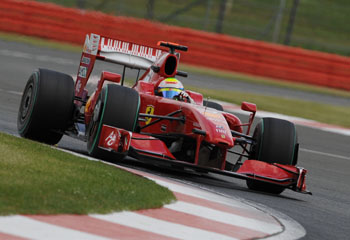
(46, 106)
(276, 141)
(116, 106)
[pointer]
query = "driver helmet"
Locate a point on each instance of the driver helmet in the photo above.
(170, 87)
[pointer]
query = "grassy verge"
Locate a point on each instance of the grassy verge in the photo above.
(310, 110)
(37, 179)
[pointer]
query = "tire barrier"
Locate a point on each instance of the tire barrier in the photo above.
(212, 50)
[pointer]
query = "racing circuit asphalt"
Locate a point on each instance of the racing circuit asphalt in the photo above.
(324, 215)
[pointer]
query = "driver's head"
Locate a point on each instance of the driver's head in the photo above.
(170, 87)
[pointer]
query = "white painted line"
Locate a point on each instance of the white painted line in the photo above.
(324, 154)
(16, 54)
(15, 92)
(28, 228)
(161, 227)
(226, 218)
(11, 92)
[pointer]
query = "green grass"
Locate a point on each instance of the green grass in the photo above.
(310, 110)
(37, 179)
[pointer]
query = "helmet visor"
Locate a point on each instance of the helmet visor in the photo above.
(170, 92)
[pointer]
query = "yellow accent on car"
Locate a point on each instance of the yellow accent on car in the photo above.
(88, 103)
(171, 80)
(169, 89)
(149, 110)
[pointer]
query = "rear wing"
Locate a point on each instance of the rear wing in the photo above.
(121, 52)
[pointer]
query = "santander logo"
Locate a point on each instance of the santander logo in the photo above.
(110, 140)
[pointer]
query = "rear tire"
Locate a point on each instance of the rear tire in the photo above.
(116, 106)
(276, 142)
(46, 106)
(214, 105)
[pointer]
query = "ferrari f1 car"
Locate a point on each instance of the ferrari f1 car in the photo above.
(118, 121)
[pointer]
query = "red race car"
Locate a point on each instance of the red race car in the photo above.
(156, 121)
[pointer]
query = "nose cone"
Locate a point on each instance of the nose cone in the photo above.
(218, 131)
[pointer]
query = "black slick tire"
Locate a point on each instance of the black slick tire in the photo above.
(116, 106)
(46, 106)
(276, 141)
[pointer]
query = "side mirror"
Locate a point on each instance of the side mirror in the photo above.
(108, 76)
(249, 107)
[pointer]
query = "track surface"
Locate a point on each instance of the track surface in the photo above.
(325, 215)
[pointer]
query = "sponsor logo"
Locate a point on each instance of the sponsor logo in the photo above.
(223, 136)
(110, 140)
(215, 117)
(149, 110)
(85, 60)
(82, 71)
(91, 44)
(221, 131)
(163, 127)
(212, 115)
(78, 86)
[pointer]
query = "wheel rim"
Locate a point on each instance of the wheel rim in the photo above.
(26, 103)
(96, 112)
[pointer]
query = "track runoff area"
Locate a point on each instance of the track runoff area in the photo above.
(197, 214)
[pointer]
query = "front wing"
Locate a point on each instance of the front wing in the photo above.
(152, 150)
